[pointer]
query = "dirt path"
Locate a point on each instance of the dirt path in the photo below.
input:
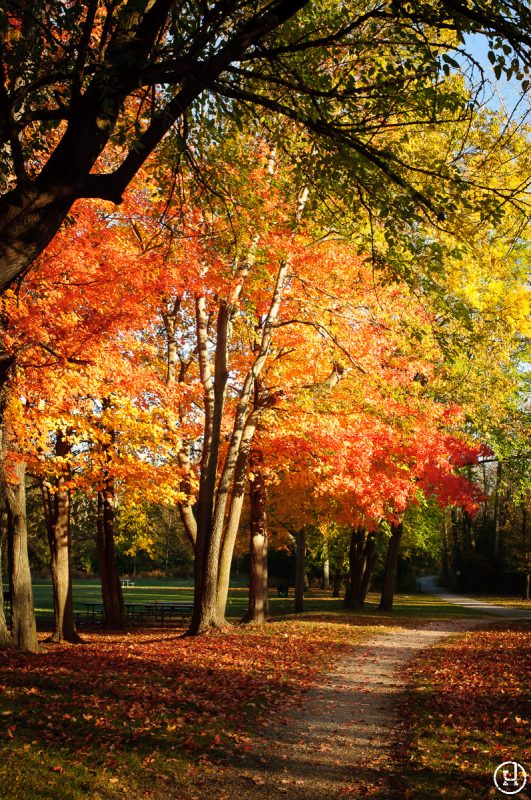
(339, 744)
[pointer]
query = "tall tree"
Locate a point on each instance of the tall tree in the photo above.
(24, 627)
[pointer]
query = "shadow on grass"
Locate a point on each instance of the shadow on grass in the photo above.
(139, 707)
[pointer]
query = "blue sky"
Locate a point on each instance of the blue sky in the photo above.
(502, 92)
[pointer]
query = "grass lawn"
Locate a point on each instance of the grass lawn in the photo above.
(87, 591)
(504, 600)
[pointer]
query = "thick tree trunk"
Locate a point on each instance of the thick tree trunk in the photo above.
(258, 598)
(9, 535)
(22, 610)
(57, 516)
(391, 565)
(227, 549)
(361, 564)
(300, 570)
(210, 525)
(111, 588)
(336, 589)
(23, 624)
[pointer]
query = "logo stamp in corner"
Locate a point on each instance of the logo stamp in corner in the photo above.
(510, 777)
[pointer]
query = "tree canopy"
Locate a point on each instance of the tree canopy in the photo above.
(88, 90)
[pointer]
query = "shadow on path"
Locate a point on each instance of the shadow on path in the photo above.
(340, 743)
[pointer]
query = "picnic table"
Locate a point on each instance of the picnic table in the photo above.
(164, 611)
(159, 612)
(135, 612)
(93, 612)
(127, 582)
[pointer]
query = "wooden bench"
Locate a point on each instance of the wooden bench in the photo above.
(125, 582)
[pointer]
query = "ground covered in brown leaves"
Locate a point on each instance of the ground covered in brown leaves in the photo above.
(468, 711)
(149, 714)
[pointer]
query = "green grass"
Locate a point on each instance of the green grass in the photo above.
(418, 606)
(510, 601)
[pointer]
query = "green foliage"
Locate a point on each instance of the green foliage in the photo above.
(422, 526)
(151, 538)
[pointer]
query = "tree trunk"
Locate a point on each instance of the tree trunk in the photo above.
(356, 557)
(9, 527)
(233, 521)
(258, 598)
(497, 561)
(111, 588)
(370, 561)
(300, 538)
(22, 610)
(525, 546)
(325, 579)
(169, 318)
(527, 586)
(210, 525)
(391, 565)
(361, 564)
(5, 636)
(445, 551)
(214, 496)
(57, 516)
(336, 590)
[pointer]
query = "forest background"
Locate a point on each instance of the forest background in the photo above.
(309, 311)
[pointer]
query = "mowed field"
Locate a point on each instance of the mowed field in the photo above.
(316, 600)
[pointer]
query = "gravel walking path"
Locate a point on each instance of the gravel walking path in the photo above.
(429, 586)
(339, 744)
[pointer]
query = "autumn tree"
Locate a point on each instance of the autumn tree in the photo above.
(84, 375)
(367, 438)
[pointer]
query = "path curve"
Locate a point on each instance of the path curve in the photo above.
(339, 744)
(429, 586)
